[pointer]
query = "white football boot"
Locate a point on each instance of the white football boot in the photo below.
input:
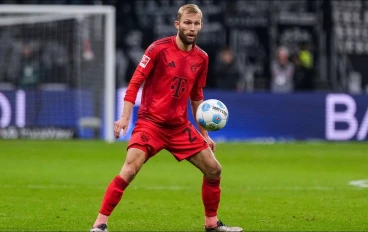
(99, 228)
(224, 228)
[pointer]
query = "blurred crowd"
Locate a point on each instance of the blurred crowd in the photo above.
(51, 59)
(29, 65)
(289, 72)
(243, 60)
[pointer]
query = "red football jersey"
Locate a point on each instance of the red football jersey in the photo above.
(172, 76)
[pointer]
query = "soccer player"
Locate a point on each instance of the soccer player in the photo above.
(173, 70)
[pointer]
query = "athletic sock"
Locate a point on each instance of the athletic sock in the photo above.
(211, 199)
(113, 195)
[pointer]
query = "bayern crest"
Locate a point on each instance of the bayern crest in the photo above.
(193, 67)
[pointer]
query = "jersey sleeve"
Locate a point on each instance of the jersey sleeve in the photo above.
(147, 63)
(144, 68)
(197, 91)
(134, 85)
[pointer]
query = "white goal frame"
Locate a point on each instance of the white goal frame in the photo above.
(109, 72)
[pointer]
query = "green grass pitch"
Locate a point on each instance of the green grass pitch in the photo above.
(58, 186)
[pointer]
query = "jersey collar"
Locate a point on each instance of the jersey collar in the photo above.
(181, 51)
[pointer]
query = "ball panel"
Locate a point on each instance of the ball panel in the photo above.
(207, 116)
(211, 126)
(222, 124)
(206, 107)
(202, 122)
(221, 105)
(216, 118)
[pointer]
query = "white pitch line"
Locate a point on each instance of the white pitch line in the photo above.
(180, 188)
(359, 183)
(172, 188)
(40, 186)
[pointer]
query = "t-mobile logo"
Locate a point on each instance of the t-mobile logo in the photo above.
(346, 117)
(179, 85)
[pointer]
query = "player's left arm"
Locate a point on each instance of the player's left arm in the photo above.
(195, 105)
(204, 133)
(196, 98)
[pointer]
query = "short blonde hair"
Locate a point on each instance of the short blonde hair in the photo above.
(189, 8)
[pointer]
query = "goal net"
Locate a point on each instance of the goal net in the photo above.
(57, 71)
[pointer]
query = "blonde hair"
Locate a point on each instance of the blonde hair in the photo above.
(188, 8)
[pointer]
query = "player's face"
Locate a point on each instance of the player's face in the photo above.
(188, 27)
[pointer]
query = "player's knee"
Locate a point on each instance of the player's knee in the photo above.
(134, 161)
(128, 172)
(214, 172)
(131, 172)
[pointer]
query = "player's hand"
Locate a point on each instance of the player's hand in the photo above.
(119, 125)
(211, 143)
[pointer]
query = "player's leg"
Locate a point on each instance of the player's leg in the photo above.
(145, 142)
(207, 163)
(134, 160)
(188, 144)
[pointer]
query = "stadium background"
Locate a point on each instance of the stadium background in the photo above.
(327, 50)
(294, 151)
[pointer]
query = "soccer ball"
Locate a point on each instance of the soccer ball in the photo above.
(212, 115)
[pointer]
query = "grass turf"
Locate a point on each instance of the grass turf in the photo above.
(58, 186)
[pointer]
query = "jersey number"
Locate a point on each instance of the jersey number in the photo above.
(188, 130)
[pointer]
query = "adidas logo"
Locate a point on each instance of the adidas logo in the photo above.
(171, 64)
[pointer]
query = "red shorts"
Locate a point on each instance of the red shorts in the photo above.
(182, 142)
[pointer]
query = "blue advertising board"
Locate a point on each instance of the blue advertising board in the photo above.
(44, 114)
(252, 116)
(297, 116)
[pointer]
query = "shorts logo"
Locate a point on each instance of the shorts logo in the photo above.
(145, 137)
(193, 67)
(144, 61)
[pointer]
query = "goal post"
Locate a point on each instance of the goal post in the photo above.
(99, 74)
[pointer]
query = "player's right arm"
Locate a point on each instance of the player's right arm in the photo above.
(143, 70)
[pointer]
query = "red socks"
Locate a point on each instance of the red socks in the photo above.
(113, 195)
(211, 196)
